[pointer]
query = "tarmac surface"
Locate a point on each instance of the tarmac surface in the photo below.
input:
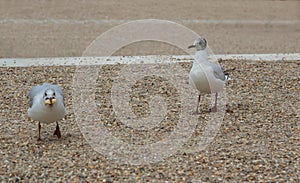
(66, 28)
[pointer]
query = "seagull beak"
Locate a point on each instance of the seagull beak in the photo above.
(53, 100)
(50, 101)
(192, 46)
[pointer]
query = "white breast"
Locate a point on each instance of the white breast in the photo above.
(43, 113)
(202, 78)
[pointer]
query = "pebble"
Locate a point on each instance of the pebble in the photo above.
(256, 142)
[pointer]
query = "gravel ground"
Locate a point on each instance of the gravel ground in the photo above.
(258, 140)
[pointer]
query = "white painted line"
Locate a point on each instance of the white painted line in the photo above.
(120, 21)
(261, 57)
(152, 59)
(259, 22)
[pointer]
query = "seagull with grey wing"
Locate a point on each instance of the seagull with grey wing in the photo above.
(206, 76)
(46, 105)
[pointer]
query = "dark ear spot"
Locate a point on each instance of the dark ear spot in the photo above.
(45, 93)
(54, 94)
(203, 43)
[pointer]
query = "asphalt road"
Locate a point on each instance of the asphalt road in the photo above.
(65, 28)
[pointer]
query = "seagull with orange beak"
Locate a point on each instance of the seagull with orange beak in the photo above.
(46, 105)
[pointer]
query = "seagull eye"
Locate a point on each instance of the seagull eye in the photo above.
(53, 94)
(45, 94)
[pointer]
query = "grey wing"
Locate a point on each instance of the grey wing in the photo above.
(219, 72)
(32, 93)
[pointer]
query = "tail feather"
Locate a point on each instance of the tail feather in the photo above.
(227, 75)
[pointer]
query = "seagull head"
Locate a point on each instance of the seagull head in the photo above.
(49, 97)
(199, 44)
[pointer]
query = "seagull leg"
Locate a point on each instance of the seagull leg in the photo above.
(57, 131)
(214, 109)
(197, 111)
(39, 138)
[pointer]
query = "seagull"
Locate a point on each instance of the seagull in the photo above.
(46, 105)
(206, 76)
